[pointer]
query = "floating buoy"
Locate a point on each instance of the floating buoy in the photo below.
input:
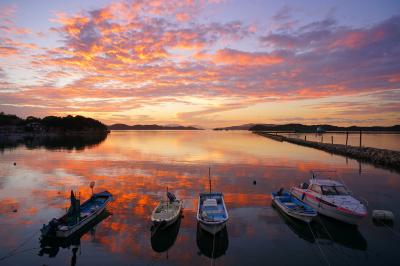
(254, 182)
(383, 216)
(15, 163)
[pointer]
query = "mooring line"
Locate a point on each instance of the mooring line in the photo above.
(14, 251)
(337, 247)
(212, 252)
(320, 249)
(397, 234)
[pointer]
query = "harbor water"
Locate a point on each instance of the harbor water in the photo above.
(138, 166)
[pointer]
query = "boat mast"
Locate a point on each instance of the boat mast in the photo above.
(209, 177)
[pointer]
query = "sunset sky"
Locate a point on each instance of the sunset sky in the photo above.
(208, 63)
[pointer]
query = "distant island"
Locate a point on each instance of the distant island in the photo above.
(50, 125)
(150, 127)
(300, 128)
(241, 127)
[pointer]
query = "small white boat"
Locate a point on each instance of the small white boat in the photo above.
(77, 216)
(331, 198)
(211, 213)
(293, 207)
(167, 212)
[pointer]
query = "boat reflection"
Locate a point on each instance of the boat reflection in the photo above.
(212, 246)
(163, 239)
(51, 246)
(325, 228)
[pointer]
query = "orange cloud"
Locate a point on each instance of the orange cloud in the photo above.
(230, 56)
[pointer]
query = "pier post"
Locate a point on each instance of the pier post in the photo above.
(322, 138)
(347, 138)
(360, 138)
(305, 138)
(332, 139)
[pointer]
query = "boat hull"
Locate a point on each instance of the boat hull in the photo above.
(212, 228)
(89, 210)
(306, 217)
(163, 223)
(212, 224)
(72, 230)
(327, 210)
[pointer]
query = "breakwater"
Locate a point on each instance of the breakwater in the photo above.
(388, 159)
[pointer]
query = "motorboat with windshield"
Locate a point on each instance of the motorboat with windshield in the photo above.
(331, 198)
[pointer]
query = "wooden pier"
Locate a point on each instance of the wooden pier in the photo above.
(388, 159)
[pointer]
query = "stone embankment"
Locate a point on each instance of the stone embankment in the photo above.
(388, 159)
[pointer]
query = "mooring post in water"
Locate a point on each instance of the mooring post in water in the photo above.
(332, 139)
(322, 138)
(347, 138)
(360, 138)
(305, 138)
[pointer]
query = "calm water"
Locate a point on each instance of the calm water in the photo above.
(138, 166)
(390, 141)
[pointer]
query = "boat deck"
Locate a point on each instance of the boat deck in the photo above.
(213, 212)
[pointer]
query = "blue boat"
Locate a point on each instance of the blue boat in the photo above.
(77, 215)
(293, 207)
(211, 213)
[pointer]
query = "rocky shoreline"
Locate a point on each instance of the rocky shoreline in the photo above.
(387, 159)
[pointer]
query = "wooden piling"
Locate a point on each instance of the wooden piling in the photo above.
(388, 159)
(305, 138)
(322, 138)
(332, 139)
(347, 138)
(360, 138)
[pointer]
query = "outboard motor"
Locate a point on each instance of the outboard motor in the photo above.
(171, 197)
(51, 228)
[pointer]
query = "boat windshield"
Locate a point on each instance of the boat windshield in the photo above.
(334, 190)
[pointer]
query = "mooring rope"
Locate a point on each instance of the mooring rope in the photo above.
(337, 247)
(14, 251)
(320, 249)
(390, 229)
(212, 252)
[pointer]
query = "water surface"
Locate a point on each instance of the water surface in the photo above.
(137, 166)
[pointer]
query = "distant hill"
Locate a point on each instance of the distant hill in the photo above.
(50, 124)
(241, 127)
(313, 128)
(150, 127)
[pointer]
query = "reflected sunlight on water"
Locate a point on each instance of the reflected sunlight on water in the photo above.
(137, 166)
